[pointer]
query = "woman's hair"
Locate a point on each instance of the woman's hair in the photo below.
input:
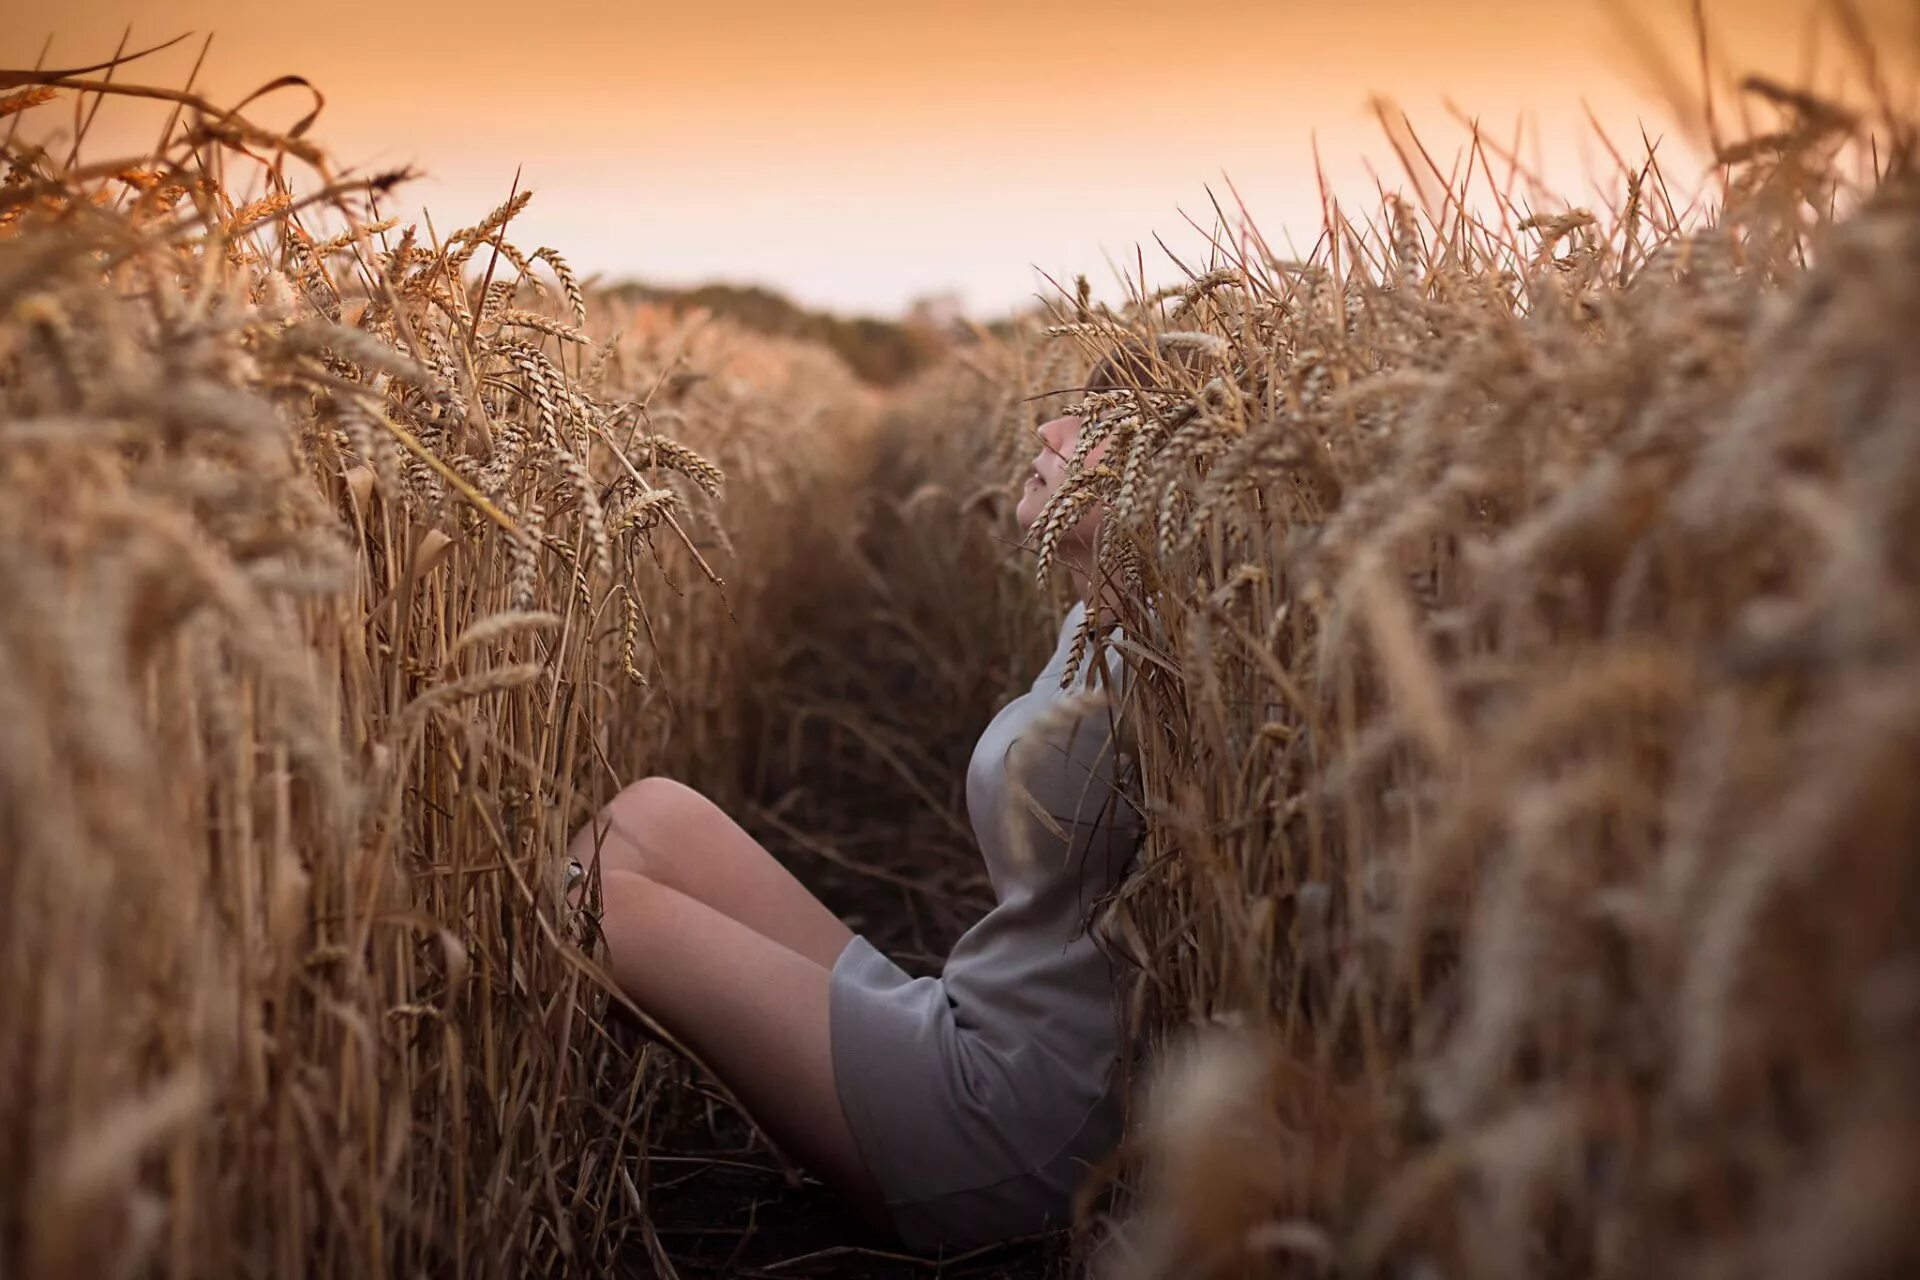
(1130, 364)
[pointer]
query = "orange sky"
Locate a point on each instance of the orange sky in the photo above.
(858, 153)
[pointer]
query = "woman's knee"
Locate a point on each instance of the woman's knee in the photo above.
(627, 894)
(634, 908)
(642, 828)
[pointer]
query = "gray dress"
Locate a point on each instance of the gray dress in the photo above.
(979, 1098)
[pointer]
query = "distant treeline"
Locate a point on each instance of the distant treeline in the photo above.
(883, 352)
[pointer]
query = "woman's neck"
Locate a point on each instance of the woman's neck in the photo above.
(1078, 562)
(1079, 569)
(1080, 575)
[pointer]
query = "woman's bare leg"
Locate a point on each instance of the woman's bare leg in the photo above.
(676, 837)
(754, 1010)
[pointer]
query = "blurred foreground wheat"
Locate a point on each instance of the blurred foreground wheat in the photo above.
(1528, 700)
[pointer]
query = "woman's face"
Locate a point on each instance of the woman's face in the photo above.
(1057, 440)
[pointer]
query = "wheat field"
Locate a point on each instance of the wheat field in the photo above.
(1525, 617)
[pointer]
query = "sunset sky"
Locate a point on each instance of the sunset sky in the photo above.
(859, 153)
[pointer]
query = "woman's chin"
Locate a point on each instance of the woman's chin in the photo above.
(1029, 509)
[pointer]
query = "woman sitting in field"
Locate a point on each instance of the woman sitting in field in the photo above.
(954, 1111)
